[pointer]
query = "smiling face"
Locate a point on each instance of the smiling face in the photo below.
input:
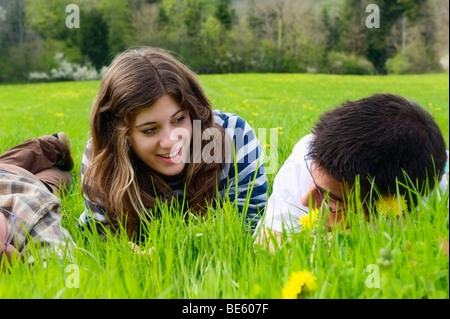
(161, 135)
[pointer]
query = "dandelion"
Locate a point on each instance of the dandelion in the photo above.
(391, 206)
(267, 145)
(59, 114)
(256, 290)
(309, 221)
(299, 284)
(255, 114)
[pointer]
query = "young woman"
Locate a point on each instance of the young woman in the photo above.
(154, 136)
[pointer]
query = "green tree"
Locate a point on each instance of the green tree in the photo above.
(47, 18)
(224, 13)
(331, 25)
(373, 42)
(13, 24)
(163, 18)
(94, 38)
(117, 15)
(192, 15)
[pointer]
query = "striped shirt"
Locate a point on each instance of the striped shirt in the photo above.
(248, 164)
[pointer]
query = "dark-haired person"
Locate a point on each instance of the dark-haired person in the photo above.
(31, 174)
(378, 138)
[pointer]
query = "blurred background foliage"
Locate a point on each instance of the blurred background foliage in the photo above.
(224, 36)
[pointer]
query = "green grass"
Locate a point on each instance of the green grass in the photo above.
(210, 257)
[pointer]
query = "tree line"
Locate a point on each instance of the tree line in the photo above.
(227, 36)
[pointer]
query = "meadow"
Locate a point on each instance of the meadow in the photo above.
(209, 257)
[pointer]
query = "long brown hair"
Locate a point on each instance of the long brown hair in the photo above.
(115, 177)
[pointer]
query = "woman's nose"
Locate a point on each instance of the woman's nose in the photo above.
(167, 141)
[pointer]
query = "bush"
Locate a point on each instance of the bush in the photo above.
(398, 64)
(67, 71)
(415, 60)
(341, 63)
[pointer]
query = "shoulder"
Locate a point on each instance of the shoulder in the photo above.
(301, 149)
(86, 156)
(292, 181)
(230, 120)
(88, 147)
(295, 165)
(238, 130)
(293, 177)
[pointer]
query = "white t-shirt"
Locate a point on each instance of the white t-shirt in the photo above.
(283, 208)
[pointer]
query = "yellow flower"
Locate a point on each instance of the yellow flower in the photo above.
(59, 114)
(310, 220)
(391, 206)
(299, 282)
(256, 290)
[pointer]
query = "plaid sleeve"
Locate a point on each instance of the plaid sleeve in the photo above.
(48, 232)
(38, 215)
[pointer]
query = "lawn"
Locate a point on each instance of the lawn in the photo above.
(209, 257)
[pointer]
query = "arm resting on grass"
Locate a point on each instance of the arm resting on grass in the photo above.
(267, 238)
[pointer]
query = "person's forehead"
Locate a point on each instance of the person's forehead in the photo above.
(164, 107)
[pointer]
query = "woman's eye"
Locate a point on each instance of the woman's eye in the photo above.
(149, 130)
(180, 119)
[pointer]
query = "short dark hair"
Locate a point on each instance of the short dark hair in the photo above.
(380, 138)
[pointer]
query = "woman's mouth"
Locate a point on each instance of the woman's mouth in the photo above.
(171, 158)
